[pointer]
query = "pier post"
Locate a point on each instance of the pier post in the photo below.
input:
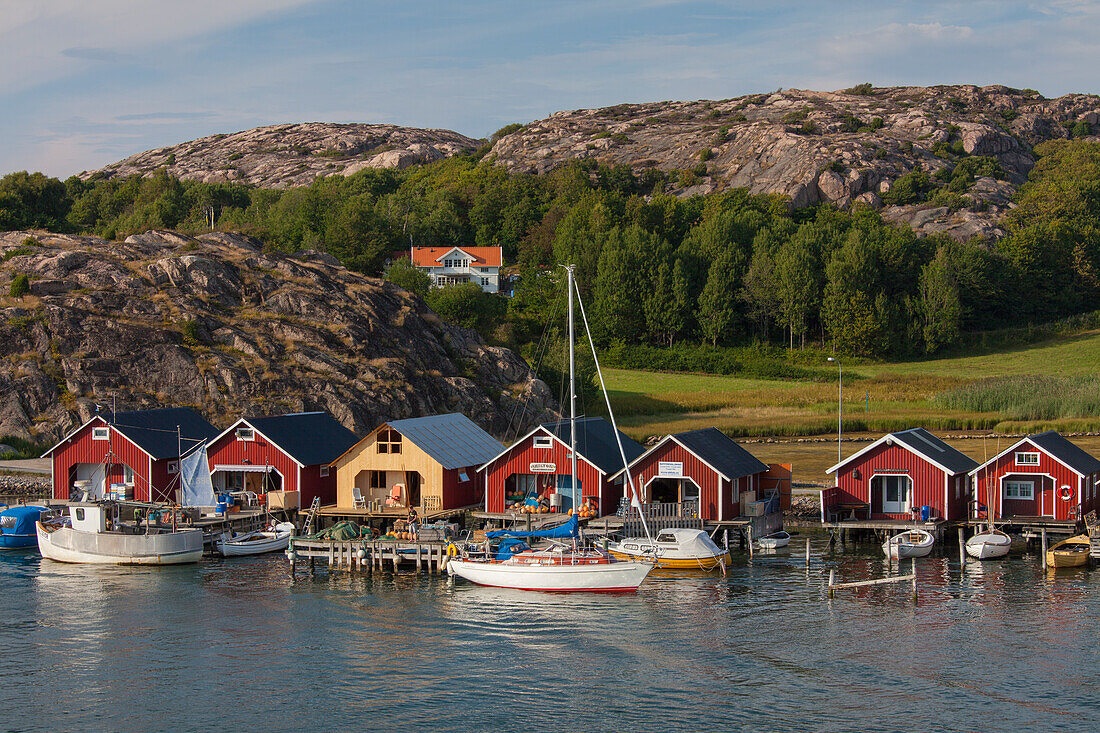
(962, 549)
(312, 570)
(396, 559)
(749, 529)
(1044, 547)
(832, 574)
(331, 555)
(419, 565)
(913, 570)
(807, 552)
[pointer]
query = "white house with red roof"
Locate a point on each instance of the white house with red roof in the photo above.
(458, 265)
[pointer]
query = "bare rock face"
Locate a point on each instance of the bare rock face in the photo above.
(279, 156)
(219, 324)
(842, 148)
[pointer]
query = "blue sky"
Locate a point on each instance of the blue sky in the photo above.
(83, 84)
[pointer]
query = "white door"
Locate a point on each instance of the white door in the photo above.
(895, 494)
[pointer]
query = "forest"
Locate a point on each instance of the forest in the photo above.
(725, 269)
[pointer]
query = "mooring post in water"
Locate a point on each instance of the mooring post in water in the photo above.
(832, 574)
(913, 569)
(749, 529)
(1044, 539)
(807, 552)
(962, 550)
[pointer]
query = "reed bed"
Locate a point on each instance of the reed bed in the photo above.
(1028, 398)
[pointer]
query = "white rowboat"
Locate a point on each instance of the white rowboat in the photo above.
(910, 543)
(774, 541)
(988, 545)
(258, 542)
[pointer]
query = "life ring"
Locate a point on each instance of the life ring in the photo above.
(1066, 493)
(452, 551)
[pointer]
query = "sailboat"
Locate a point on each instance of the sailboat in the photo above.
(992, 543)
(96, 535)
(564, 565)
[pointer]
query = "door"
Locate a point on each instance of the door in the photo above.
(1048, 502)
(895, 494)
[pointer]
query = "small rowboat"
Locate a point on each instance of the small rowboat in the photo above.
(988, 545)
(1070, 553)
(910, 543)
(774, 541)
(258, 542)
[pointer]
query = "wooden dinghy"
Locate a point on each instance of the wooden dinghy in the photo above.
(774, 541)
(910, 543)
(1070, 553)
(258, 542)
(988, 545)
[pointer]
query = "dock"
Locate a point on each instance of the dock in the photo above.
(368, 556)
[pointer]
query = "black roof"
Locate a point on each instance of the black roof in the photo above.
(721, 452)
(1068, 453)
(154, 431)
(934, 449)
(596, 442)
(311, 438)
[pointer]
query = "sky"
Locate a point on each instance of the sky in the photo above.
(84, 84)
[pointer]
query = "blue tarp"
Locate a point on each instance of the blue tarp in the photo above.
(561, 532)
(509, 547)
(20, 519)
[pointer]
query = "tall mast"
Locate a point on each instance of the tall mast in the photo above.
(572, 397)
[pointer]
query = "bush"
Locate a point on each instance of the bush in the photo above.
(467, 305)
(706, 154)
(747, 361)
(909, 189)
(1081, 129)
(190, 332)
(863, 90)
(700, 169)
(20, 285)
(404, 274)
(809, 127)
(796, 116)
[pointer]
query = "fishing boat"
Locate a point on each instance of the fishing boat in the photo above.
(564, 566)
(258, 542)
(17, 526)
(676, 548)
(96, 536)
(774, 541)
(988, 545)
(910, 543)
(1070, 553)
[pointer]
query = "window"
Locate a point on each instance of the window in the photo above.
(1024, 490)
(173, 466)
(378, 479)
(1027, 459)
(543, 441)
(484, 281)
(101, 433)
(80, 515)
(246, 434)
(389, 441)
(324, 471)
(463, 477)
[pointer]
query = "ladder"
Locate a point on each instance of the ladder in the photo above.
(307, 528)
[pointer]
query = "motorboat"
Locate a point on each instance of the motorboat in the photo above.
(258, 542)
(677, 548)
(910, 543)
(94, 536)
(774, 541)
(1070, 553)
(988, 545)
(17, 526)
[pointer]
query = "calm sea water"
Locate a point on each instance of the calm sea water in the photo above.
(236, 645)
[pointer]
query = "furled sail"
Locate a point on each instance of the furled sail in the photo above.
(560, 532)
(195, 486)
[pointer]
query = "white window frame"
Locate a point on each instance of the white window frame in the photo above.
(246, 434)
(542, 441)
(1029, 461)
(127, 475)
(101, 432)
(173, 466)
(1018, 484)
(324, 471)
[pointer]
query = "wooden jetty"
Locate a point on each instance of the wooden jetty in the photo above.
(368, 555)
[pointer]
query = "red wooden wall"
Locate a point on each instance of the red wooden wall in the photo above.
(1047, 501)
(458, 493)
(518, 459)
(710, 483)
(927, 481)
(227, 450)
(81, 448)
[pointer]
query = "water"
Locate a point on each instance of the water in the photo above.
(235, 644)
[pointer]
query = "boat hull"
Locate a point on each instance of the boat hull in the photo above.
(915, 543)
(274, 542)
(1062, 556)
(17, 541)
(988, 546)
(559, 578)
(774, 542)
(73, 546)
(709, 562)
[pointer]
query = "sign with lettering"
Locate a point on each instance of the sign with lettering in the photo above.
(543, 468)
(674, 469)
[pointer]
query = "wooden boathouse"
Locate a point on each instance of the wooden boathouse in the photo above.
(425, 462)
(289, 453)
(538, 465)
(704, 467)
(1040, 476)
(903, 477)
(136, 454)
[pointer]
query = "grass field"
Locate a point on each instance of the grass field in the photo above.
(877, 397)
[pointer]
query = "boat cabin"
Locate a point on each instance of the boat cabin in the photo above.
(538, 466)
(704, 470)
(286, 453)
(127, 455)
(1042, 475)
(908, 475)
(88, 518)
(425, 462)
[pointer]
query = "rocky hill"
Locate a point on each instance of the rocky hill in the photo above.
(843, 147)
(278, 156)
(220, 324)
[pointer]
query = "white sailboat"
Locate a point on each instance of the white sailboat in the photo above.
(563, 566)
(992, 543)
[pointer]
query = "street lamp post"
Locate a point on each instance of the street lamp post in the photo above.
(839, 396)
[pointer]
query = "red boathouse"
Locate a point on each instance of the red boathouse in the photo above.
(133, 454)
(280, 453)
(538, 464)
(898, 475)
(1042, 475)
(701, 466)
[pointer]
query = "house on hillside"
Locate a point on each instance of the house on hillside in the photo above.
(457, 265)
(280, 453)
(704, 468)
(539, 464)
(134, 455)
(1042, 475)
(897, 476)
(426, 462)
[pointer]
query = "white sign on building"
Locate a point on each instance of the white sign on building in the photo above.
(672, 469)
(543, 468)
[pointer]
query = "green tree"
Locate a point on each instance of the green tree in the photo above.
(467, 305)
(404, 274)
(20, 286)
(797, 286)
(718, 311)
(33, 201)
(940, 305)
(760, 291)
